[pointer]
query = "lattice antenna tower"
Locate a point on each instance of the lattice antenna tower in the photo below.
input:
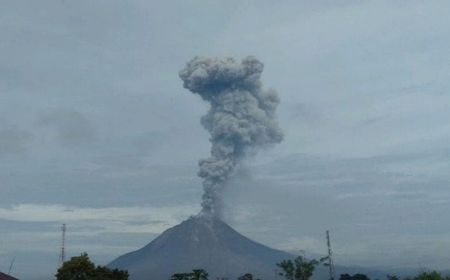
(62, 257)
(330, 258)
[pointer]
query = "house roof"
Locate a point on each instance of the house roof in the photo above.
(4, 276)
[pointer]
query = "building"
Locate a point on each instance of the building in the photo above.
(4, 276)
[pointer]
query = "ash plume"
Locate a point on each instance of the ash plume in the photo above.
(241, 118)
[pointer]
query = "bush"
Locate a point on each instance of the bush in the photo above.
(82, 268)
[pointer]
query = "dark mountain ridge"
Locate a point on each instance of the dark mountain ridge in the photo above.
(211, 244)
(201, 242)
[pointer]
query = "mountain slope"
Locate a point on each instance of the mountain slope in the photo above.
(200, 242)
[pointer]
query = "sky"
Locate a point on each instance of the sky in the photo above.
(97, 131)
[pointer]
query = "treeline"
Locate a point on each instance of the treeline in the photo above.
(82, 268)
(426, 275)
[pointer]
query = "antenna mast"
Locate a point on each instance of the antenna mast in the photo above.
(330, 258)
(11, 266)
(63, 244)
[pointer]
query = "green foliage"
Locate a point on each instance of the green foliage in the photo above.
(247, 276)
(196, 274)
(433, 275)
(199, 274)
(299, 269)
(77, 268)
(82, 268)
(181, 276)
(392, 277)
(357, 276)
(104, 273)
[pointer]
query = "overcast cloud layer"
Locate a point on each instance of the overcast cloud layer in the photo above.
(97, 131)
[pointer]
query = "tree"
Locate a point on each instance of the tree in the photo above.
(299, 269)
(196, 274)
(199, 274)
(181, 276)
(82, 268)
(357, 276)
(247, 276)
(392, 277)
(77, 268)
(433, 275)
(104, 273)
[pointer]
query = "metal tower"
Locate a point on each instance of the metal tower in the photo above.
(330, 258)
(63, 244)
(11, 266)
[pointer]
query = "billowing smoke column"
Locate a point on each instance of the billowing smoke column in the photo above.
(241, 118)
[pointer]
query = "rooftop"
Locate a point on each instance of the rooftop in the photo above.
(4, 276)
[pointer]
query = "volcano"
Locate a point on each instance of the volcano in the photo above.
(201, 242)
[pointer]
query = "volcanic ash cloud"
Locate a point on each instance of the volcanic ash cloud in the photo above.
(241, 119)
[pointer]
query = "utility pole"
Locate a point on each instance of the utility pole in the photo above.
(11, 266)
(330, 258)
(63, 244)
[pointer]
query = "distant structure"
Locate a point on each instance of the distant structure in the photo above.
(4, 276)
(330, 258)
(63, 244)
(11, 265)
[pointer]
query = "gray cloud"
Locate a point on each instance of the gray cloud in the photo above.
(71, 127)
(14, 140)
(146, 142)
(377, 198)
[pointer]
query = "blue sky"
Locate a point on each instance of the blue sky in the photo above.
(96, 130)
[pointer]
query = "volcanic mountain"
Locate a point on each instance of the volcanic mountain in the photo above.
(201, 242)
